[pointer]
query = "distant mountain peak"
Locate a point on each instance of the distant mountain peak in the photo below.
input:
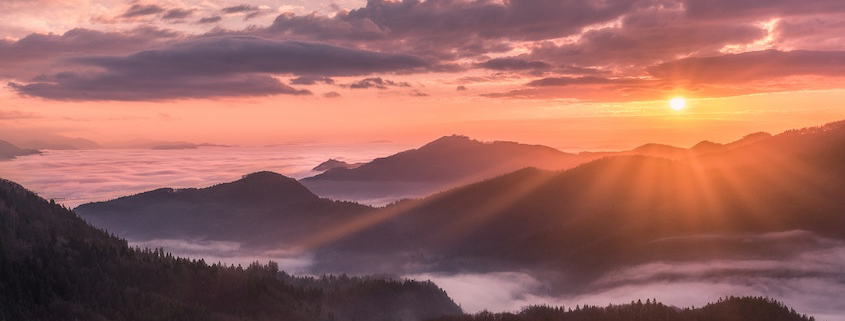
(755, 136)
(656, 147)
(257, 206)
(451, 140)
(455, 137)
(268, 185)
(332, 164)
(749, 139)
(705, 146)
(452, 159)
(8, 150)
(265, 175)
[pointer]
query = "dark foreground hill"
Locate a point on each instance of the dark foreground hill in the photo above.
(730, 309)
(54, 266)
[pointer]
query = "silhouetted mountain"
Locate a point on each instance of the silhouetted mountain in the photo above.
(333, 163)
(620, 211)
(9, 151)
(749, 139)
(141, 143)
(660, 150)
(261, 207)
(672, 152)
(182, 145)
(731, 309)
(175, 146)
(705, 147)
(53, 266)
(446, 162)
(453, 158)
(60, 143)
(583, 222)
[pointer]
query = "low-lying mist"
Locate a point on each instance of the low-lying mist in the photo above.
(103, 174)
(810, 277)
(230, 253)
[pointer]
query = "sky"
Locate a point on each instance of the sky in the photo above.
(571, 74)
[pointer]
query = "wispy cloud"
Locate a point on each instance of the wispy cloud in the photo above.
(138, 10)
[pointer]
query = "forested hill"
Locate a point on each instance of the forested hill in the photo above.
(262, 208)
(54, 266)
(731, 309)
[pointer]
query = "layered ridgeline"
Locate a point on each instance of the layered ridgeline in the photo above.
(672, 152)
(451, 161)
(446, 162)
(59, 143)
(449, 158)
(54, 266)
(730, 309)
(261, 208)
(770, 197)
(9, 151)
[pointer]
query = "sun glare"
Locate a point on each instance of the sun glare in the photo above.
(677, 103)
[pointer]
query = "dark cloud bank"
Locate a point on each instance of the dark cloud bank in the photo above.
(211, 67)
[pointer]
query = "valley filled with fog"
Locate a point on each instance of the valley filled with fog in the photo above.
(801, 268)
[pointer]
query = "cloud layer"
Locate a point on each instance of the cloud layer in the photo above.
(810, 282)
(211, 67)
(610, 50)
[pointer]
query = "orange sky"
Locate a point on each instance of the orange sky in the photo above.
(592, 76)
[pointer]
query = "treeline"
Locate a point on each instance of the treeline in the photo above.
(54, 266)
(728, 309)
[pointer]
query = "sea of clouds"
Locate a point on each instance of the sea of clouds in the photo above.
(811, 280)
(812, 283)
(74, 177)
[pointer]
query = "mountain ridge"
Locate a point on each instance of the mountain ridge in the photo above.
(10, 151)
(265, 205)
(558, 220)
(467, 157)
(446, 162)
(57, 267)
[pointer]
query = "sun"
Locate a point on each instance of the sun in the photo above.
(677, 103)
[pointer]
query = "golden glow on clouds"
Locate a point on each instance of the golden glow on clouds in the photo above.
(610, 106)
(416, 120)
(764, 43)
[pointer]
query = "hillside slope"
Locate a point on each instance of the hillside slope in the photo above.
(9, 151)
(730, 309)
(54, 266)
(621, 211)
(261, 208)
(441, 164)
